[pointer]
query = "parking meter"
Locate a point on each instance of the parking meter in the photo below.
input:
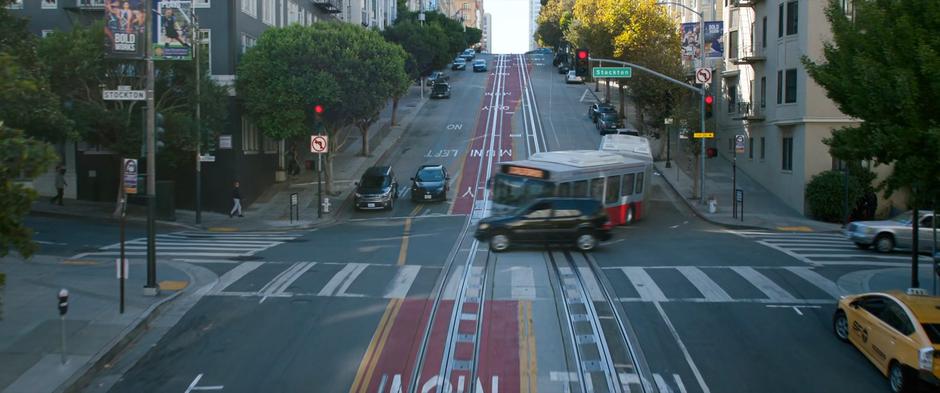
(63, 301)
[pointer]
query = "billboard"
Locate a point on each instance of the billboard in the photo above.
(125, 27)
(173, 30)
(714, 34)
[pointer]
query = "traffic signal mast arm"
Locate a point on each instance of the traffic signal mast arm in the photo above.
(657, 74)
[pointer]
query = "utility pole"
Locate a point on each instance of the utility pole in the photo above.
(701, 45)
(197, 42)
(150, 288)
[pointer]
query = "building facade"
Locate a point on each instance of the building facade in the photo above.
(468, 12)
(227, 28)
(486, 41)
(368, 13)
(535, 7)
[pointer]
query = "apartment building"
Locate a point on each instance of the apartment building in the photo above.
(486, 42)
(468, 12)
(535, 7)
(227, 28)
(368, 13)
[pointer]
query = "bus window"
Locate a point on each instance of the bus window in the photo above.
(564, 190)
(627, 185)
(613, 190)
(639, 183)
(597, 188)
(579, 189)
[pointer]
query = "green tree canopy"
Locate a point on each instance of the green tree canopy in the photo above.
(426, 52)
(553, 21)
(881, 67)
(473, 36)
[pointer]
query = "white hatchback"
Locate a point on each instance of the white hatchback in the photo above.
(572, 77)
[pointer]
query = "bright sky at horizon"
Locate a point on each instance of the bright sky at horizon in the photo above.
(510, 25)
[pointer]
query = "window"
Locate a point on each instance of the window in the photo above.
(627, 189)
(779, 87)
(249, 136)
(269, 144)
(16, 4)
(733, 45)
(763, 33)
(579, 189)
(787, 145)
(45, 33)
(793, 12)
(49, 4)
(267, 12)
(927, 222)
(250, 7)
(564, 190)
(247, 42)
(466, 6)
(894, 316)
(732, 97)
(763, 91)
(205, 45)
(639, 183)
(750, 148)
(201, 3)
(780, 21)
(613, 190)
(791, 86)
(763, 149)
(597, 188)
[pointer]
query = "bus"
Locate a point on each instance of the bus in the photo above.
(619, 182)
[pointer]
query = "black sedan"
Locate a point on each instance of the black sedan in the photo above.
(438, 77)
(430, 184)
(608, 122)
(598, 108)
(440, 90)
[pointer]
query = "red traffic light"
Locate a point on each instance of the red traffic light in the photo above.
(582, 54)
(709, 100)
(318, 109)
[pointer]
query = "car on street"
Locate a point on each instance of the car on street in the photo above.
(897, 232)
(898, 331)
(468, 54)
(479, 65)
(438, 77)
(581, 222)
(440, 90)
(572, 77)
(563, 68)
(608, 122)
(459, 64)
(628, 130)
(430, 183)
(598, 108)
(377, 189)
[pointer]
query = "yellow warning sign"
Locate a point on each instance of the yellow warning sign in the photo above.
(703, 135)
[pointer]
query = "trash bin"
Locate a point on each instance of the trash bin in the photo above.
(166, 200)
(712, 205)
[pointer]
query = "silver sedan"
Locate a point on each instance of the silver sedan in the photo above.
(894, 233)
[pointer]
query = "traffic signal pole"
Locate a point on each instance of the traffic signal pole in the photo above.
(701, 43)
(150, 288)
(197, 42)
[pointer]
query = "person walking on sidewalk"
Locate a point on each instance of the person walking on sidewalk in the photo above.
(59, 184)
(237, 200)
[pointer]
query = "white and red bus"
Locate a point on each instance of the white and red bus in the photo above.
(618, 181)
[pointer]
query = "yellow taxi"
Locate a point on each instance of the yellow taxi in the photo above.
(897, 331)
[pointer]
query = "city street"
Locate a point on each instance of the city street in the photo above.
(357, 306)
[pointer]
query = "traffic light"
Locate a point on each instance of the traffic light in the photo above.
(582, 62)
(709, 100)
(159, 132)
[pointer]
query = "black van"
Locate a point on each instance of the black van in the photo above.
(581, 222)
(377, 189)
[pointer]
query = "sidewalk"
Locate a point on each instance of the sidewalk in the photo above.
(30, 328)
(272, 210)
(898, 278)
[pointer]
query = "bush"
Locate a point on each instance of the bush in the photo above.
(825, 193)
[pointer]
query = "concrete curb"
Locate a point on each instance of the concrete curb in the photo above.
(107, 354)
(698, 213)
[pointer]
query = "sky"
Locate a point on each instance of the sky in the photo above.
(510, 25)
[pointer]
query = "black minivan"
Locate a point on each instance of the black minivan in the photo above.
(377, 189)
(581, 222)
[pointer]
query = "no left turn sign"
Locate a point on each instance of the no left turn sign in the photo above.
(319, 144)
(703, 75)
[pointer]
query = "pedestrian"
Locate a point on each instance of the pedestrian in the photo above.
(59, 184)
(237, 200)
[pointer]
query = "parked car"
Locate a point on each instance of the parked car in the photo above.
(377, 189)
(459, 64)
(897, 232)
(440, 90)
(563, 68)
(572, 77)
(438, 77)
(430, 183)
(899, 332)
(608, 122)
(627, 130)
(598, 108)
(581, 222)
(479, 65)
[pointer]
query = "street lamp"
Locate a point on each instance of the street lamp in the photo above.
(701, 39)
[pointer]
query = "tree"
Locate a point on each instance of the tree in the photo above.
(473, 36)
(880, 67)
(426, 52)
(553, 20)
(349, 70)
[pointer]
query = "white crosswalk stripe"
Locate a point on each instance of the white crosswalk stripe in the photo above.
(822, 249)
(193, 244)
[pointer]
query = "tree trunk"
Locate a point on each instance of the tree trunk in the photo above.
(607, 93)
(395, 110)
(364, 129)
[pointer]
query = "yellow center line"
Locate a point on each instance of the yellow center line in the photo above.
(403, 253)
(415, 211)
(366, 364)
(380, 347)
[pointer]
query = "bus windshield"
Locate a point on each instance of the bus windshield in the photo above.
(517, 191)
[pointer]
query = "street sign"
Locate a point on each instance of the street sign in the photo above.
(124, 95)
(703, 75)
(225, 141)
(130, 176)
(117, 266)
(739, 195)
(293, 199)
(612, 72)
(703, 135)
(319, 144)
(739, 144)
(207, 158)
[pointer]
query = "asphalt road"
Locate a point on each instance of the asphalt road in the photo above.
(346, 307)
